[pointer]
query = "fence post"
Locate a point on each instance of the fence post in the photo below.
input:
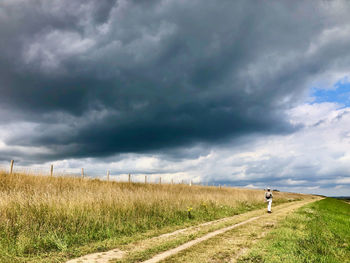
(145, 179)
(11, 166)
(108, 175)
(82, 172)
(160, 180)
(51, 170)
(129, 179)
(172, 181)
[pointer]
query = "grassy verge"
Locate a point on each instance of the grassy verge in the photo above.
(52, 219)
(319, 232)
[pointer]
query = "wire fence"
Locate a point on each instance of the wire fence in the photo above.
(38, 170)
(13, 168)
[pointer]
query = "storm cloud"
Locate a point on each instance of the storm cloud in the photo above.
(99, 79)
(129, 76)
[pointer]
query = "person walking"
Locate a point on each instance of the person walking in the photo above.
(268, 198)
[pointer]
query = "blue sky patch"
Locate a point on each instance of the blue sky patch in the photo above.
(340, 94)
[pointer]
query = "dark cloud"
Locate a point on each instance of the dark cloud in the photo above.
(107, 77)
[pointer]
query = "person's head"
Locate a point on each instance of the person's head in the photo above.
(268, 189)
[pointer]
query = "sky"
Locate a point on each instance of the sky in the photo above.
(244, 93)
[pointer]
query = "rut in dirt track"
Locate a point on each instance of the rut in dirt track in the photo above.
(238, 221)
(225, 241)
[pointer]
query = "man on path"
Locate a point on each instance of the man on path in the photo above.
(268, 198)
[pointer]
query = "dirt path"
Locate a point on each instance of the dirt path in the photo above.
(105, 257)
(184, 239)
(187, 245)
(228, 244)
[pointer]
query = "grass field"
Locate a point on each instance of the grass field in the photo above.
(318, 233)
(52, 219)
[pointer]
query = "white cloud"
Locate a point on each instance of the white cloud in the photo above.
(314, 159)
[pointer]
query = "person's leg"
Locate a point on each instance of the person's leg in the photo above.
(269, 205)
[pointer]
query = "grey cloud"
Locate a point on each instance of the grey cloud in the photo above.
(108, 77)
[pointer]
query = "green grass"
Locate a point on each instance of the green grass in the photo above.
(319, 233)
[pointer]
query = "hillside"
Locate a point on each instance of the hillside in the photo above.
(51, 219)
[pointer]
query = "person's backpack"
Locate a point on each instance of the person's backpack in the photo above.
(268, 195)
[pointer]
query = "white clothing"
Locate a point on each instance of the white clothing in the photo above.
(269, 202)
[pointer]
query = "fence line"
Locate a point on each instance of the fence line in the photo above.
(51, 171)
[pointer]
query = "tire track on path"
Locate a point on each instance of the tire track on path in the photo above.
(166, 254)
(222, 225)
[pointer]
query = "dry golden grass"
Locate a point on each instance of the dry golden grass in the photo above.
(40, 214)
